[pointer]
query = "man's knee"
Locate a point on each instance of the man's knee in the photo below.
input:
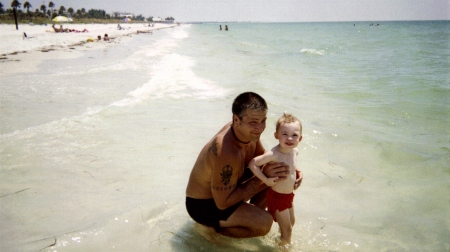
(265, 224)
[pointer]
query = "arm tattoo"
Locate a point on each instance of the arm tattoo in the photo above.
(224, 188)
(213, 147)
(227, 172)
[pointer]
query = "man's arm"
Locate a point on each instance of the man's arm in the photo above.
(281, 170)
(225, 188)
(277, 169)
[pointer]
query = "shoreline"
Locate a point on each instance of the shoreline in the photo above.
(19, 54)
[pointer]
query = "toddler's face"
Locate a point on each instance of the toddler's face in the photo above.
(289, 135)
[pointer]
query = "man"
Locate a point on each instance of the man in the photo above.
(220, 184)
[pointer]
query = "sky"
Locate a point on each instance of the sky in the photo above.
(266, 10)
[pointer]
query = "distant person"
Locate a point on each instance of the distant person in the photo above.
(62, 29)
(99, 38)
(77, 31)
(145, 31)
(280, 195)
(226, 27)
(57, 29)
(220, 27)
(25, 36)
(106, 38)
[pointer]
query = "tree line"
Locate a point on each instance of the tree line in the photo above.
(49, 11)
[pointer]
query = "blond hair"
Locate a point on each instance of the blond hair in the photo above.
(288, 118)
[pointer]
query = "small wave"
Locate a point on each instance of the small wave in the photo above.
(145, 55)
(313, 51)
(173, 77)
(180, 33)
(254, 45)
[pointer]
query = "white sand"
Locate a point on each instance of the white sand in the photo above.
(30, 224)
(23, 54)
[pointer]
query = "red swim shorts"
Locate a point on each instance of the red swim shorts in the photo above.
(278, 201)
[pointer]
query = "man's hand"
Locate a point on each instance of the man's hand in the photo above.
(279, 169)
(299, 179)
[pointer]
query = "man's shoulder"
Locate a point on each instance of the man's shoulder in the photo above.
(215, 145)
(220, 147)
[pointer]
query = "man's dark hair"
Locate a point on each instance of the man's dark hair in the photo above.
(247, 100)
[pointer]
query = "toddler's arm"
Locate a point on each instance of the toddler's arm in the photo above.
(255, 167)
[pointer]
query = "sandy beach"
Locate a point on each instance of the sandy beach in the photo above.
(50, 207)
(23, 54)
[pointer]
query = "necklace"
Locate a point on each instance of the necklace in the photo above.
(234, 134)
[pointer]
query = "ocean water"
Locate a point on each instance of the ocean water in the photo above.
(96, 151)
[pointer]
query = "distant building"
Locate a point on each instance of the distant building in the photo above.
(123, 15)
(160, 20)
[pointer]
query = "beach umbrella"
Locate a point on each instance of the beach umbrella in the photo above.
(60, 19)
(126, 20)
(69, 20)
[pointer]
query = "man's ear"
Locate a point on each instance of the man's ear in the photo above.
(235, 119)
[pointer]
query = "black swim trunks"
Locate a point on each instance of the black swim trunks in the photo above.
(205, 211)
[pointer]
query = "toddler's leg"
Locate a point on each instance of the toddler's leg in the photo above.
(284, 221)
(292, 215)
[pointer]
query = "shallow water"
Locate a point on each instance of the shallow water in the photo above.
(102, 146)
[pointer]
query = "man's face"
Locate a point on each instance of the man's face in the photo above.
(252, 125)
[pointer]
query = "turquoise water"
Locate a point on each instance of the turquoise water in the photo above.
(375, 105)
(127, 123)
